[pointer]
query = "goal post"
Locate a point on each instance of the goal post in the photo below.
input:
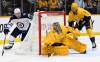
(41, 24)
(47, 19)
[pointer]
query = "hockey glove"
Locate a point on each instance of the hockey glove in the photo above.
(86, 18)
(6, 31)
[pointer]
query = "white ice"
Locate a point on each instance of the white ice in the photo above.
(91, 56)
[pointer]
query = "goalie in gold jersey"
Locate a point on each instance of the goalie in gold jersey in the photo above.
(61, 36)
(82, 18)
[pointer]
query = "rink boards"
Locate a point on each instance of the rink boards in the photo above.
(4, 20)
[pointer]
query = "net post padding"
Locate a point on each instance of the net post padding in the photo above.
(39, 23)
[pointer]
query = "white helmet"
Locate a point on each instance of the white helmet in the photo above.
(17, 10)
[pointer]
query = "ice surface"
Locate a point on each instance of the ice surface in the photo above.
(91, 56)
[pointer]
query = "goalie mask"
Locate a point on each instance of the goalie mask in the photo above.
(56, 27)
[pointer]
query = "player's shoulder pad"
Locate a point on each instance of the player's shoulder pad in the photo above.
(12, 17)
(24, 15)
(27, 15)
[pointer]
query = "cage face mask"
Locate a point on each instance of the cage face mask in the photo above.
(18, 15)
(57, 27)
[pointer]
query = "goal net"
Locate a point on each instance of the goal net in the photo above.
(42, 24)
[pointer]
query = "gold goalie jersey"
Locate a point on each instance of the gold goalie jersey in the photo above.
(79, 15)
(53, 37)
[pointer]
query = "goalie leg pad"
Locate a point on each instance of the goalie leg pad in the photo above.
(46, 50)
(61, 50)
(75, 44)
(56, 50)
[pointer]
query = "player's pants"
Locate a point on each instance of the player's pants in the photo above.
(16, 32)
(87, 24)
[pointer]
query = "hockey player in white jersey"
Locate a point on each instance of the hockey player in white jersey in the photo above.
(22, 22)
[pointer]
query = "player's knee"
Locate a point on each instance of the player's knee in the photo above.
(90, 32)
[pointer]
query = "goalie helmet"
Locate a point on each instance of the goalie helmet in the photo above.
(56, 27)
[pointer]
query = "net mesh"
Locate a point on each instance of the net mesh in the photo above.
(42, 24)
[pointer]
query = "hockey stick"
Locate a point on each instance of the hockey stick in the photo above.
(5, 33)
(48, 47)
(3, 45)
(50, 53)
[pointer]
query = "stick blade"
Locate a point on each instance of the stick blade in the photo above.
(2, 52)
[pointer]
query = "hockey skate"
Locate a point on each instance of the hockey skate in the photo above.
(93, 45)
(8, 46)
(84, 52)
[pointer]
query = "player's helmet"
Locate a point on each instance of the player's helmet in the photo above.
(74, 6)
(17, 10)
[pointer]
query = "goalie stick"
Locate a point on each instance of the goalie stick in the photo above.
(50, 53)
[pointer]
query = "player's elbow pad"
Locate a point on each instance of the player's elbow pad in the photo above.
(87, 18)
